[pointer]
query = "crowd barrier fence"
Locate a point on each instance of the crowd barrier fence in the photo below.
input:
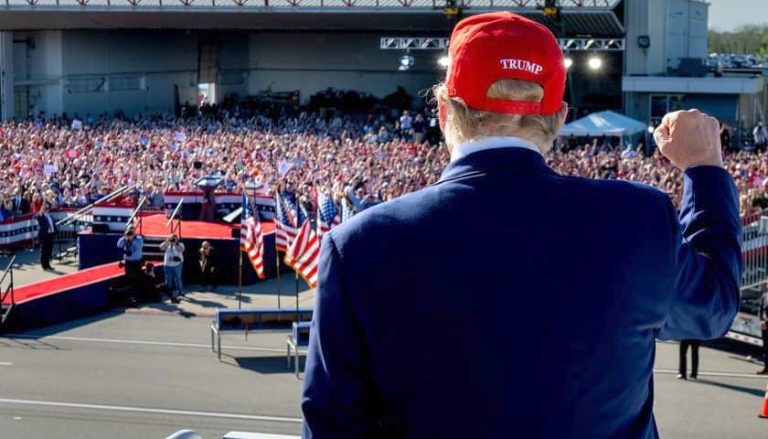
(754, 251)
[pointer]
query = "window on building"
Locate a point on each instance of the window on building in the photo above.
(87, 85)
(663, 104)
(232, 78)
(126, 83)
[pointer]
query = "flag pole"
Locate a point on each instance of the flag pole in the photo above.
(277, 252)
(296, 269)
(255, 214)
(240, 279)
(240, 258)
(277, 259)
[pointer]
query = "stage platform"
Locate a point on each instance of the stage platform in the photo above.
(101, 248)
(86, 291)
(63, 298)
(154, 226)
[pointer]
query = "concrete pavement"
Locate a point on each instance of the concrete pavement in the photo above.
(149, 371)
(129, 375)
(260, 295)
(143, 376)
(722, 403)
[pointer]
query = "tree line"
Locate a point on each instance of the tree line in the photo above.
(749, 40)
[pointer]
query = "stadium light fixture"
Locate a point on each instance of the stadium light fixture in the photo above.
(595, 62)
(568, 62)
(444, 61)
(651, 129)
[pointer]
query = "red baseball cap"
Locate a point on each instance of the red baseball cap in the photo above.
(486, 48)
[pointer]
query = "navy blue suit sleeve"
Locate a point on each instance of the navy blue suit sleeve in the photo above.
(705, 296)
(335, 402)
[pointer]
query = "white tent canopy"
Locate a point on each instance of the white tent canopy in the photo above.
(603, 123)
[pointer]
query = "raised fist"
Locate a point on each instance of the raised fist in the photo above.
(689, 138)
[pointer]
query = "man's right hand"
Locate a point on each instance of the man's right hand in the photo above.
(690, 138)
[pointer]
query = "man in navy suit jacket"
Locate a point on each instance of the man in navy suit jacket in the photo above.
(46, 227)
(507, 301)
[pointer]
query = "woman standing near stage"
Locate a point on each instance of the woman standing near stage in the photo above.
(209, 270)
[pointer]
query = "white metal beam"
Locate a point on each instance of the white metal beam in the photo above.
(566, 44)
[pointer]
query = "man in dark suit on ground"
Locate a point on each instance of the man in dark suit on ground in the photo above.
(507, 301)
(46, 232)
(20, 204)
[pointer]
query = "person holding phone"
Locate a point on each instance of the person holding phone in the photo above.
(173, 261)
(131, 245)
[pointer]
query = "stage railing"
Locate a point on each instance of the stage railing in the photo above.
(84, 211)
(67, 227)
(136, 215)
(175, 223)
(7, 292)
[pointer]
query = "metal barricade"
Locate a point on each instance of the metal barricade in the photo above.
(754, 251)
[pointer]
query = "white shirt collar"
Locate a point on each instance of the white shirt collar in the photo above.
(484, 143)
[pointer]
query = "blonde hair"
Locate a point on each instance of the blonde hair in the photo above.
(463, 123)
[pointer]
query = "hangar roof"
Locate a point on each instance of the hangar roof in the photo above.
(579, 17)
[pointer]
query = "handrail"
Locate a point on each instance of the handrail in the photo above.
(136, 211)
(72, 218)
(175, 227)
(7, 269)
(3, 295)
(175, 211)
(81, 212)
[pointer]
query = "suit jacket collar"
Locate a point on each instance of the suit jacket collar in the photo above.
(497, 160)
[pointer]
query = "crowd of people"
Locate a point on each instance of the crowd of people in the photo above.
(52, 162)
(373, 159)
(749, 169)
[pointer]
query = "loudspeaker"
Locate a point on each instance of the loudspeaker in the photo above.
(235, 232)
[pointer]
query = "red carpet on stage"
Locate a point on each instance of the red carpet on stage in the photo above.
(154, 225)
(64, 283)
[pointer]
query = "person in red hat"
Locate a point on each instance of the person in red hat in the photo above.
(506, 300)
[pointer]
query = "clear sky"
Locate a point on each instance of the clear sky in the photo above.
(729, 14)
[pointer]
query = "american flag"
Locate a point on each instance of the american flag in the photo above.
(288, 218)
(304, 253)
(327, 214)
(347, 210)
(251, 237)
(295, 212)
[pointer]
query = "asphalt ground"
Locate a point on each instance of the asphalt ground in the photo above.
(143, 376)
(137, 375)
(148, 372)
